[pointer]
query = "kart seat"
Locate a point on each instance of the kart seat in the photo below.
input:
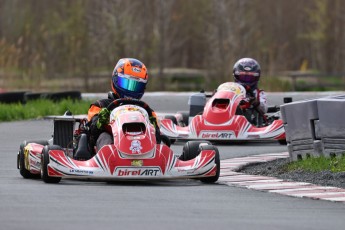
(82, 152)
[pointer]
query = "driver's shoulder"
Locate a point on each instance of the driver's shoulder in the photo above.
(103, 103)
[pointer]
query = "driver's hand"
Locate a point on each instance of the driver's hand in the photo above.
(254, 102)
(244, 104)
(249, 103)
(153, 121)
(103, 118)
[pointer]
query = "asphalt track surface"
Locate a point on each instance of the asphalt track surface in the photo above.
(187, 204)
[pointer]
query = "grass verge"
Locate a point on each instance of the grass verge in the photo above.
(316, 164)
(40, 108)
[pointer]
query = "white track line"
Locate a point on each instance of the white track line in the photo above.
(229, 177)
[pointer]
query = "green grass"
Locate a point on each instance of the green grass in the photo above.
(40, 108)
(316, 164)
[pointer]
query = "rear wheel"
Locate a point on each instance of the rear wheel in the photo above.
(192, 149)
(44, 165)
(214, 178)
(21, 158)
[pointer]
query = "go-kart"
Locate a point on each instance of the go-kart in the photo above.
(223, 118)
(134, 155)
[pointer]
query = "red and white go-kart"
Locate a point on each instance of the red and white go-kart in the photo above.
(222, 119)
(135, 154)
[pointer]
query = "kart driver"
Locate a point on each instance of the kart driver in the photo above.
(246, 72)
(129, 81)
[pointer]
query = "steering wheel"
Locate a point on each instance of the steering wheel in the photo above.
(119, 102)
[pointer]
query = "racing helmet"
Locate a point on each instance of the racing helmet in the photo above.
(247, 72)
(129, 78)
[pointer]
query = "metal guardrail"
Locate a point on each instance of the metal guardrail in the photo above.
(315, 127)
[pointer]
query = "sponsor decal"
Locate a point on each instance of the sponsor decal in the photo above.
(150, 171)
(137, 163)
(81, 171)
(216, 135)
(137, 70)
(247, 68)
(34, 163)
(135, 146)
(133, 118)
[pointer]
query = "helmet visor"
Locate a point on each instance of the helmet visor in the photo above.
(130, 84)
(247, 78)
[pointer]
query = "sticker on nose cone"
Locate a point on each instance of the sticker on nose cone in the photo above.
(135, 146)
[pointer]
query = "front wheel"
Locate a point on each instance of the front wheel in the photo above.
(282, 142)
(192, 149)
(165, 140)
(214, 178)
(44, 165)
(21, 159)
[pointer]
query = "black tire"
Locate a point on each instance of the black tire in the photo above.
(21, 159)
(32, 96)
(214, 178)
(191, 149)
(44, 165)
(282, 142)
(12, 97)
(165, 140)
(185, 117)
(73, 95)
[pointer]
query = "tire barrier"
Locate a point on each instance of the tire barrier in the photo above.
(315, 127)
(58, 96)
(24, 96)
(12, 97)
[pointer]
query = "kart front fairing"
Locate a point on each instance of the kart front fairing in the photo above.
(108, 164)
(134, 154)
(221, 120)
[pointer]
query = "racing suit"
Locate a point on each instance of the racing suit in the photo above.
(255, 106)
(98, 137)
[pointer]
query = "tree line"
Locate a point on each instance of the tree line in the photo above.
(53, 40)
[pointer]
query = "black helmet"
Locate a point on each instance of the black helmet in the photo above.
(247, 71)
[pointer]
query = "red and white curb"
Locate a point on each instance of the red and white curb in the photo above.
(229, 176)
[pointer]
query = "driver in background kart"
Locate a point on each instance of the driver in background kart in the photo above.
(246, 72)
(128, 81)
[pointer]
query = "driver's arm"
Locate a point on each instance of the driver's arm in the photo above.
(154, 120)
(93, 110)
(263, 106)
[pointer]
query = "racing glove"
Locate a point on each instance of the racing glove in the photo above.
(251, 102)
(153, 121)
(103, 118)
(254, 102)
